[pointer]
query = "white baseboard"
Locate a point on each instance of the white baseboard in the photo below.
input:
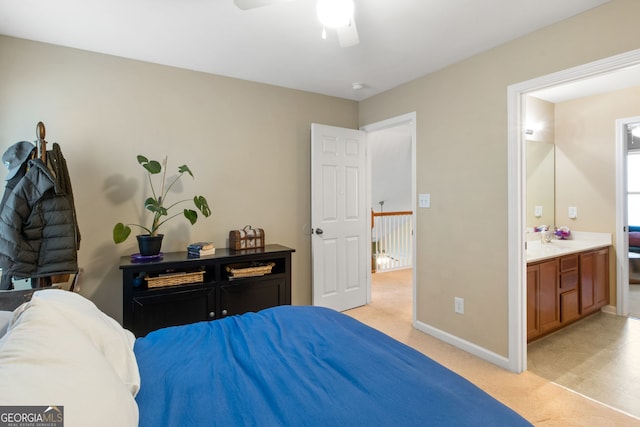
(467, 346)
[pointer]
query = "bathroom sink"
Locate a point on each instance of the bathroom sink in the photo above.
(568, 244)
(536, 250)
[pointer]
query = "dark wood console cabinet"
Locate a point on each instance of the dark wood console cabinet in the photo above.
(146, 309)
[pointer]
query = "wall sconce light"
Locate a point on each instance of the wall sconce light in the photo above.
(335, 13)
(531, 128)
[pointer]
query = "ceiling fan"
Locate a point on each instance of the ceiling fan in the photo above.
(335, 14)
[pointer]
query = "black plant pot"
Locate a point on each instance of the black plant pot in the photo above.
(149, 245)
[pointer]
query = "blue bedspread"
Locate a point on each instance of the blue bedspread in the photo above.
(300, 366)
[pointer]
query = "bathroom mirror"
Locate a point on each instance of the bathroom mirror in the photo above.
(540, 158)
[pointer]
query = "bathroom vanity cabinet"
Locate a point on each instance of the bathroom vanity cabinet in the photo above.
(564, 289)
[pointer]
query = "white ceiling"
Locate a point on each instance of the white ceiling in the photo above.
(608, 82)
(400, 40)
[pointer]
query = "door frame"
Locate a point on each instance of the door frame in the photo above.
(516, 188)
(402, 120)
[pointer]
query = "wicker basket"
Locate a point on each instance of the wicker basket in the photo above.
(249, 270)
(175, 279)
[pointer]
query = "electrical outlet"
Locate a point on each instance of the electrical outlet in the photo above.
(459, 305)
(573, 212)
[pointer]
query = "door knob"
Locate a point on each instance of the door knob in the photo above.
(212, 314)
(319, 231)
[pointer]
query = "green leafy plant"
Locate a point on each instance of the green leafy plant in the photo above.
(157, 203)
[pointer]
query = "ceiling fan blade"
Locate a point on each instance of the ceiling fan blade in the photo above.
(252, 4)
(348, 35)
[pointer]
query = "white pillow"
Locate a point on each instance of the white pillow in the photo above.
(111, 339)
(46, 360)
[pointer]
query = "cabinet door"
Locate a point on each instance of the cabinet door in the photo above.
(601, 278)
(594, 280)
(533, 285)
(155, 311)
(548, 299)
(543, 305)
(569, 306)
(244, 295)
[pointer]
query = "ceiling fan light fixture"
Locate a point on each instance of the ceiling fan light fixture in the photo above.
(335, 13)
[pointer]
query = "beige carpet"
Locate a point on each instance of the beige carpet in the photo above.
(539, 400)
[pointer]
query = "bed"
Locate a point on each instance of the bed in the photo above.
(283, 366)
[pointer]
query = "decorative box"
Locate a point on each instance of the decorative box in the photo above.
(247, 238)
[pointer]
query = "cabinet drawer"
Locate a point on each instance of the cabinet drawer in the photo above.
(569, 262)
(569, 281)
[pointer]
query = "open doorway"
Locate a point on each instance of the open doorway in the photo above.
(578, 80)
(572, 79)
(391, 195)
(342, 232)
(628, 145)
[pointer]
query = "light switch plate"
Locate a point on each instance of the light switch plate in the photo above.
(538, 211)
(424, 201)
(573, 212)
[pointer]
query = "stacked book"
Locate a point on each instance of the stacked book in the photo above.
(199, 249)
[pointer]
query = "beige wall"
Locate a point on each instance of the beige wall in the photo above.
(462, 161)
(586, 165)
(104, 110)
(248, 145)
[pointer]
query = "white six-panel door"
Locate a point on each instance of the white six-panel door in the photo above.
(340, 237)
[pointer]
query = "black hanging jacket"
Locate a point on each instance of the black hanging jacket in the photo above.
(39, 235)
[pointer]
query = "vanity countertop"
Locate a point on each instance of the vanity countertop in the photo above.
(580, 241)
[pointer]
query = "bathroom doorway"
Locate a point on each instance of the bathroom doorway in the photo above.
(570, 81)
(573, 84)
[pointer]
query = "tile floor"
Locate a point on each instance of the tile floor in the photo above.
(634, 300)
(598, 356)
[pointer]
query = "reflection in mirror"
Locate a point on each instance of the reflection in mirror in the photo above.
(540, 184)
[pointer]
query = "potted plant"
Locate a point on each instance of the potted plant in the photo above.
(151, 242)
